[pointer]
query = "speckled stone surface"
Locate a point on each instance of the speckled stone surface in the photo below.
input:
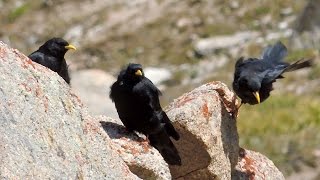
(142, 159)
(209, 142)
(253, 165)
(45, 133)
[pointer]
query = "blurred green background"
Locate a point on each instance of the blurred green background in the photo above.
(196, 41)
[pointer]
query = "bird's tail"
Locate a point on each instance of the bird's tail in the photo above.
(162, 142)
(275, 53)
(299, 65)
(169, 127)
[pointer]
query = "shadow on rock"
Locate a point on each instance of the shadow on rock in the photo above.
(228, 132)
(116, 131)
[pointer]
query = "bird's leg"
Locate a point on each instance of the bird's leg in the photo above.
(147, 139)
(128, 130)
(236, 110)
(142, 139)
(229, 105)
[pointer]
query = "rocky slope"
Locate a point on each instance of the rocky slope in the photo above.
(46, 132)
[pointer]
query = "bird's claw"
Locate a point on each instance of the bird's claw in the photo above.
(146, 140)
(232, 106)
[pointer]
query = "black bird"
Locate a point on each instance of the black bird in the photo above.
(51, 55)
(253, 77)
(137, 101)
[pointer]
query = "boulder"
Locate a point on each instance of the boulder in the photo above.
(209, 142)
(142, 159)
(45, 131)
(253, 165)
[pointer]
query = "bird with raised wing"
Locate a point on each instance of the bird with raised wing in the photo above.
(253, 77)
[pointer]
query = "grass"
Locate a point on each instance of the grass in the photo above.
(301, 53)
(315, 73)
(285, 128)
(17, 12)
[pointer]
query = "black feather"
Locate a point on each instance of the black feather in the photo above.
(51, 55)
(275, 53)
(137, 102)
(257, 75)
(299, 65)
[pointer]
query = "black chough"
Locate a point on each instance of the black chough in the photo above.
(51, 55)
(137, 101)
(253, 77)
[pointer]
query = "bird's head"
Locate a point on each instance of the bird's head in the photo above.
(251, 86)
(56, 47)
(134, 72)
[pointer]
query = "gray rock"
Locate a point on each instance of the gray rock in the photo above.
(253, 165)
(93, 87)
(209, 144)
(209, 140)
(142, 159)
(45, 131)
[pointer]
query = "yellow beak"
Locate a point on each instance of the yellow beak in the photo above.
(257, 96)
(70, 47)
(138, 72)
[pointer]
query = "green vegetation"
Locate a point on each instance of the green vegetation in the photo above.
(17, 12)
(301, 53)
(285, 128)
(315, 74)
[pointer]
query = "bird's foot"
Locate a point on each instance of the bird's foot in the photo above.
(231, 106)
(242, 152)
(235, 113)
(147, 140)
(145, 144)
(144, 139)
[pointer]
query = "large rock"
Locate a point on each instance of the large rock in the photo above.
(209, 146)
(142, 159)
(253, 165)
(45, 132)
(209, 141)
